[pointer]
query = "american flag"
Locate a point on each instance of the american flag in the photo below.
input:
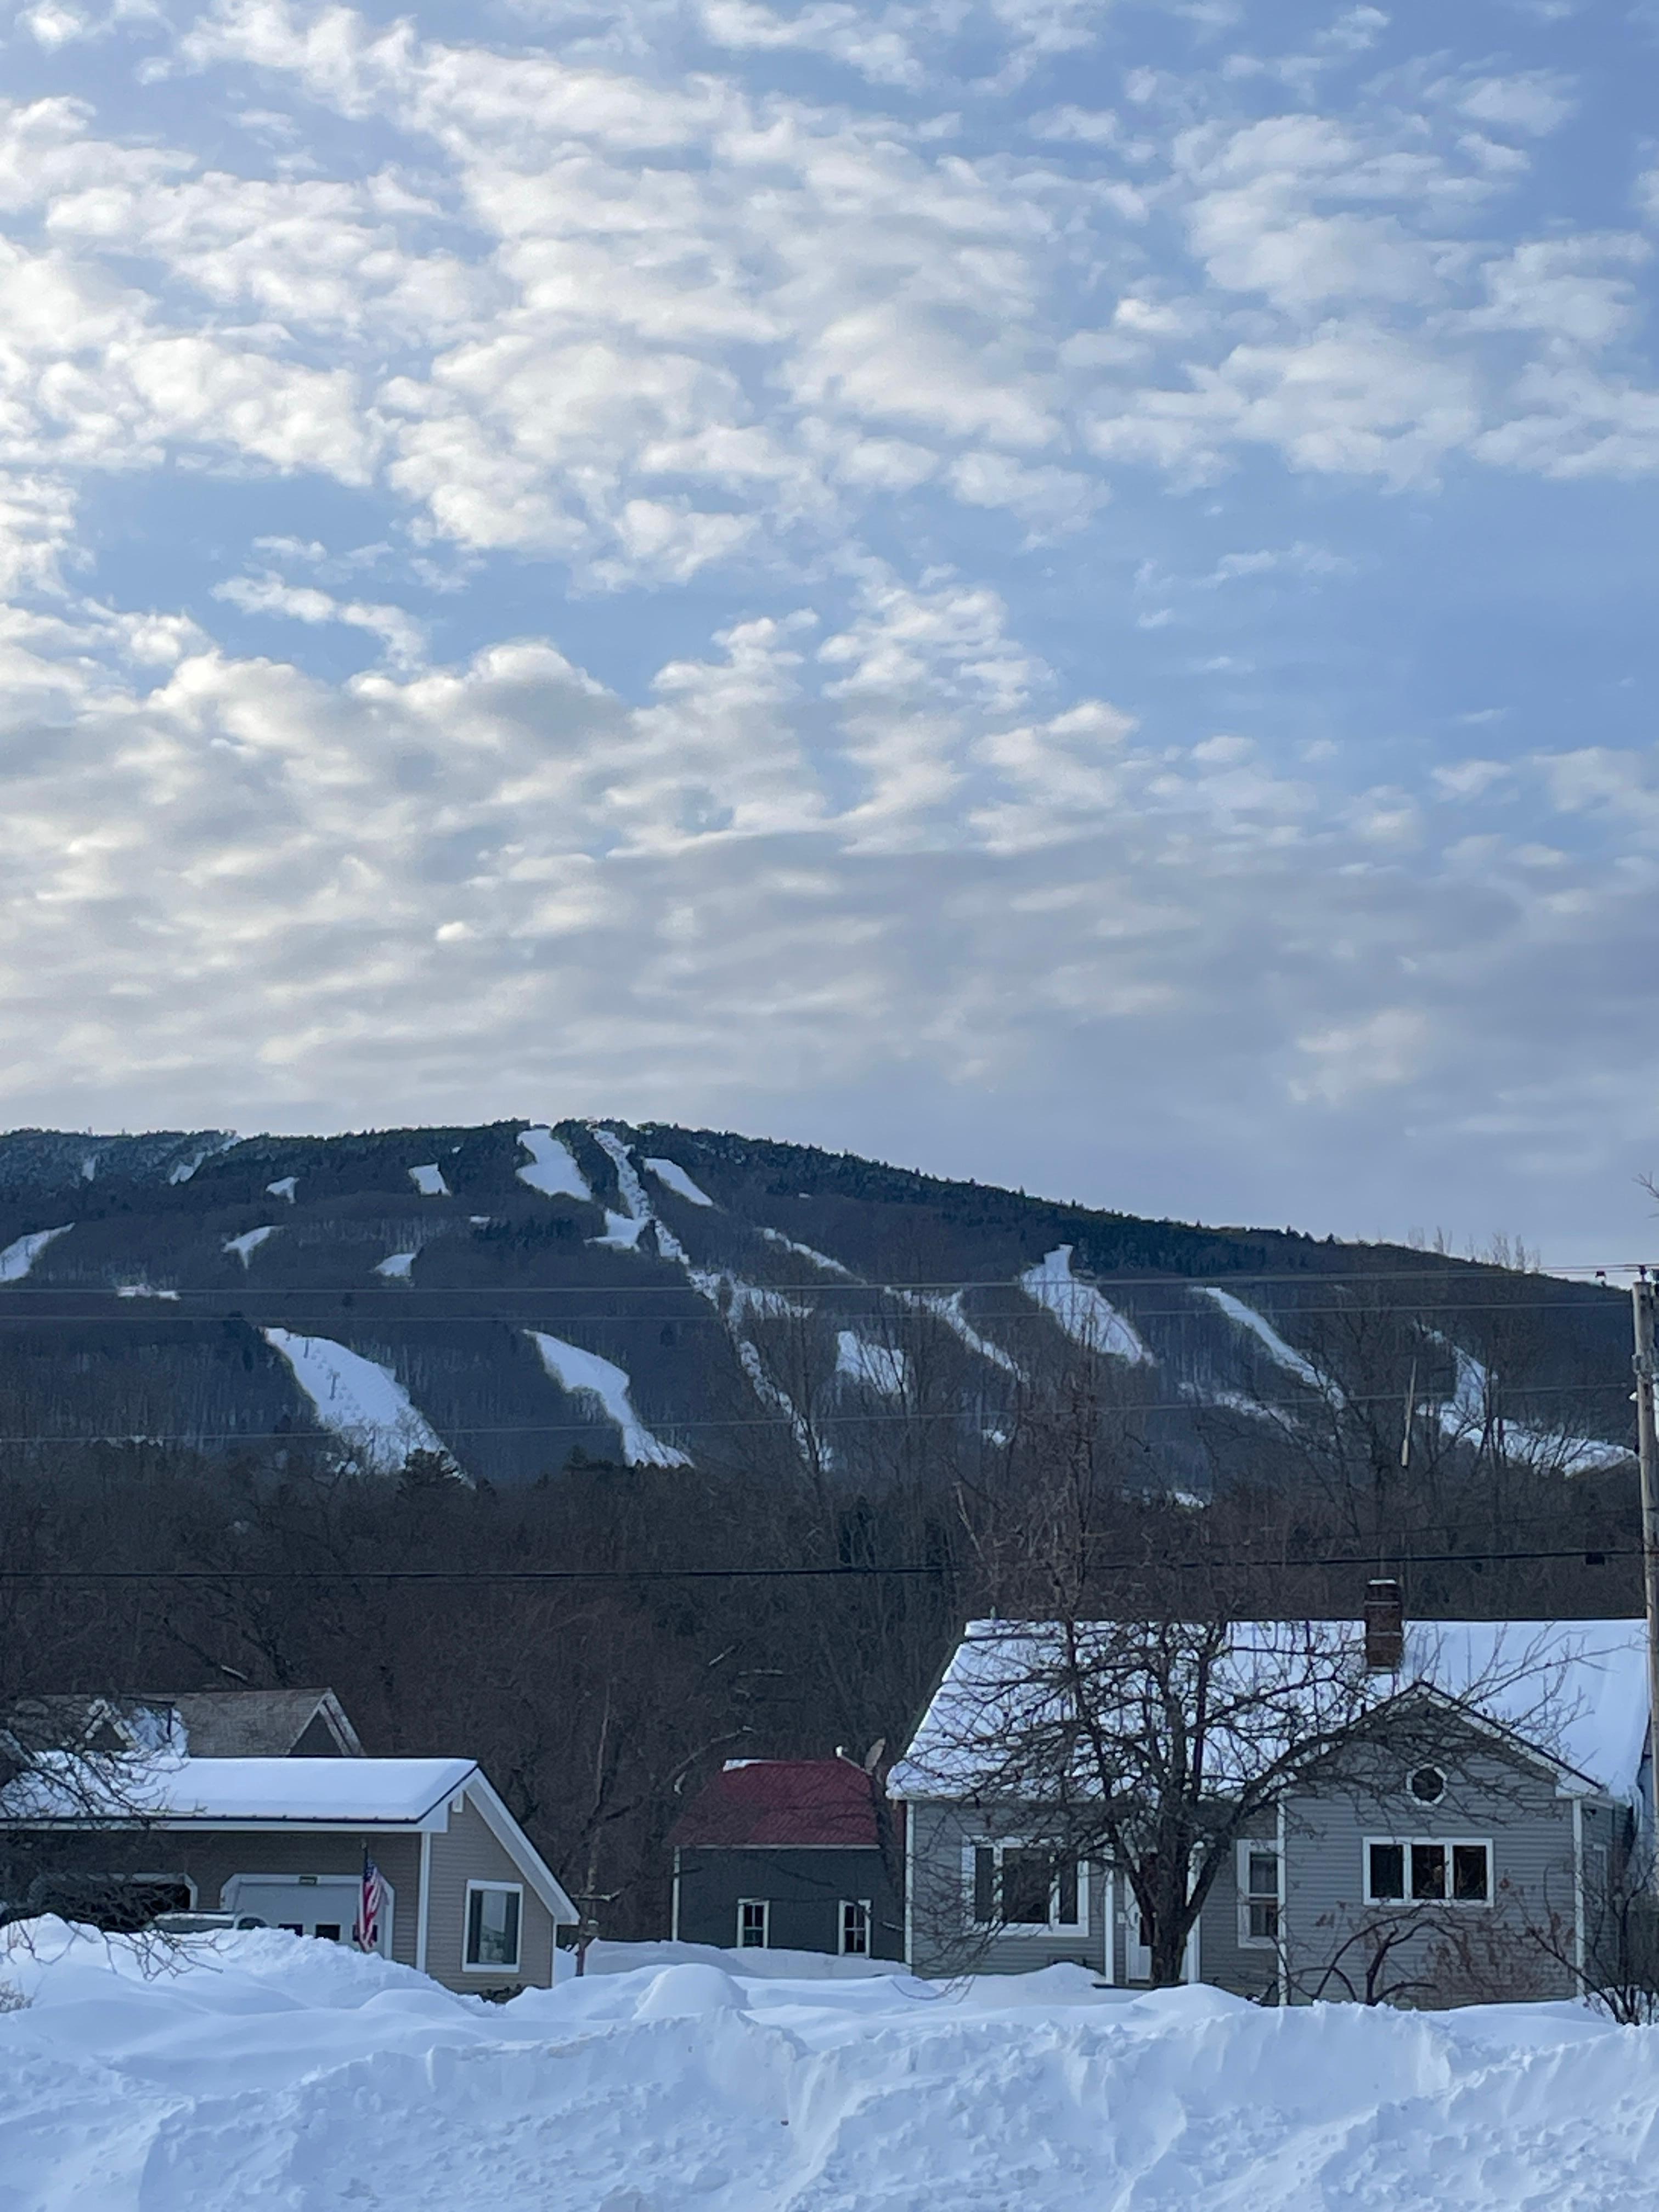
(371, 1904)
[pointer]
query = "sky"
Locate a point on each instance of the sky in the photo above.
(1057, 591)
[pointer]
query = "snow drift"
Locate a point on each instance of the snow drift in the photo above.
(266, 2069)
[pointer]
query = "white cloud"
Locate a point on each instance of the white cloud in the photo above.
(268, 595)
(836, 360)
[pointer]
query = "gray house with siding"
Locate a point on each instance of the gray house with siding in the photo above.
(1493, 1868)
(283, 1839)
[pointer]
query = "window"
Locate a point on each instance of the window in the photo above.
(855, 1927)
(329, 1930)
(1258, 1894)
(493, 1912)
(1026, 1879)
(753, 1919)
(1430, 1870)
(1023, 1885)
(1427, 1785)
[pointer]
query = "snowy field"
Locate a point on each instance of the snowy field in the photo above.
(266, 2071)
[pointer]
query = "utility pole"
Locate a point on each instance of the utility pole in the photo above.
(1641, 1293)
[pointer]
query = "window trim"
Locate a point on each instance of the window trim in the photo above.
(1052, 1925)
(765, 1905)
(1266, 1847)
(866, 1906)
(1447, 1843)
(492, 1965)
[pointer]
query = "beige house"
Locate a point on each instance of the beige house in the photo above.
(283, 1839)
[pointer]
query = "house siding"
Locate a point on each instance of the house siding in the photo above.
(1249, 1969)
(1459, 1954)
(471, 1851)
(804, 1885)
(1452, 1955)
(210, 1859)
(944, 1939)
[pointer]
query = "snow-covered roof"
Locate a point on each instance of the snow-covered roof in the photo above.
(355, 1793)
(1574, 1691)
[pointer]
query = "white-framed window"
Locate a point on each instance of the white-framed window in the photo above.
(1259, 1895)
(1428, 1870)
(855, 1927)
(494, 1916)
(754, 1923)
(1014, 1885)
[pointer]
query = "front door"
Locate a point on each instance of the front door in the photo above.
(1137, 1944)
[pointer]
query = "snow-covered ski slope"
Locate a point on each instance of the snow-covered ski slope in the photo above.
(269, 2070)
(745, 1298)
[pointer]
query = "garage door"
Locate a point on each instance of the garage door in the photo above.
(323, 1904)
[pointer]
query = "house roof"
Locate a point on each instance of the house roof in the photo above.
(754, 1802)
(348, 1793)
(1575, 1691)
(259, 1723)
(205, 1724)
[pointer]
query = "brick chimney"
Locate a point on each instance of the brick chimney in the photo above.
(1385, 1627)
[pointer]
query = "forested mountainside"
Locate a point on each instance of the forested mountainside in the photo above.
(509, 1299)
(601, 1453)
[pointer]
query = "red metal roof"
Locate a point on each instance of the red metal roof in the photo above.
(758, 1802)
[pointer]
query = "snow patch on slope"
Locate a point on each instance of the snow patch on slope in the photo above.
(396, 1267)
(1463, 1416)
(739, 1301)
(284, 1186)
(671, 1173)
(624, 1230)
(428, 1179)
(357, 1400)
(1086, 1317)
(776, 1400)
(248, 1244)
(949, 1311)
(182, 1170)
(584, 1374)
(806, 1252)
(880, 1367)
(552, 1167)
(22, 1254)
(1282, 1354)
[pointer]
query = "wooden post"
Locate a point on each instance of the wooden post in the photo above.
(1648, 1453)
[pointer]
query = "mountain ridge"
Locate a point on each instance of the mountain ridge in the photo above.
(505, 1293)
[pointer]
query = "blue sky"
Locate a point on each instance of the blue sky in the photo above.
(1061, 592)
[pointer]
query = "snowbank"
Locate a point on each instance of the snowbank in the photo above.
(265, 2069)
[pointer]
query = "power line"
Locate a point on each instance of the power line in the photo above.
(150, 1308)
(1590, 1553)
(825, 1421)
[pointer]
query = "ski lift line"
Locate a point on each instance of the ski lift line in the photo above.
(1129, 1563)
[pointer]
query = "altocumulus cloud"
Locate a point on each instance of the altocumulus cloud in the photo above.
(839, 569)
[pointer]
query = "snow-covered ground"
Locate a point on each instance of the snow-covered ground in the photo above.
(1282, 1354)
(1464, 1417)
(880, 1367)
(22, 1254)
(266, 2069)
(583, 1374)
(1085, 1316)
(248, 1243)
(671, 1173)
(356, 1399)
(551, 1168)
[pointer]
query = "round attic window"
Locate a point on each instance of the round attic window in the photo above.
(1428, 1785)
